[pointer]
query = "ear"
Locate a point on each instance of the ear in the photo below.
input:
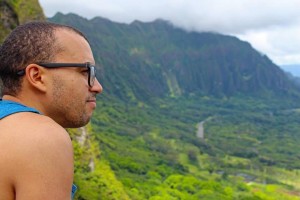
(36, 76)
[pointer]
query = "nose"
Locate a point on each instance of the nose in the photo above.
(97, 87)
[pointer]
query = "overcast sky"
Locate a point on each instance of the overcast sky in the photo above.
(271, 26)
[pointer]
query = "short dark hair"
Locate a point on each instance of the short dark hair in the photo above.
(32, 42)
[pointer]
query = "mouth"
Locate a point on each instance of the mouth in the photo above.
(92, 102)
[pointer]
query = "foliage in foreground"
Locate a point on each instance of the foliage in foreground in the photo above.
(152, 151)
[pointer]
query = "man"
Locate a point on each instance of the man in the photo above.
(49, 84)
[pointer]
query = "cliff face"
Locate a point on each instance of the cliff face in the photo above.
(160, 61)
(16, 12)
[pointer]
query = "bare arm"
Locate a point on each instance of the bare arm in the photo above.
(42, 163)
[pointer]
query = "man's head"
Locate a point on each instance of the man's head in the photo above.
(33, 42)
(43, 65)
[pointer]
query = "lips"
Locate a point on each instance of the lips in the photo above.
(92, 102)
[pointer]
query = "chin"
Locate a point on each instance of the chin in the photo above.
(76, 124)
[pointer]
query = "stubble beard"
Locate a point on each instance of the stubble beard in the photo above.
(70, 111)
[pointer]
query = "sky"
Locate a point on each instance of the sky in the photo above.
(271, 26)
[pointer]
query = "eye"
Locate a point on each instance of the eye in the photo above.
(86, 71)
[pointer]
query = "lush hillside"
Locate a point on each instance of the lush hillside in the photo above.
(160, 60)
(15, 12)
(249, 149)
(93, 175)
(192, 115)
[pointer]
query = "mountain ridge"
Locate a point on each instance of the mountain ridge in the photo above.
(162, 60)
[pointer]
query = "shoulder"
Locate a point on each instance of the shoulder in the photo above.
(42, 155)
(33, 129)
(32, 124)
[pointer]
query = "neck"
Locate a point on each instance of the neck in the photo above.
(23, 101)
(11, 98)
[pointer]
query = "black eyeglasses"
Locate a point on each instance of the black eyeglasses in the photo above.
(91, 69)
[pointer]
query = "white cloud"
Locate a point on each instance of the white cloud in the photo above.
(271, 26)
(281, 44)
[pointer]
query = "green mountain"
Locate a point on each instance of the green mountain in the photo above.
(188, 115)
(160, 60)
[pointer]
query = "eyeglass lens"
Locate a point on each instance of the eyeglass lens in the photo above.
(92, 76)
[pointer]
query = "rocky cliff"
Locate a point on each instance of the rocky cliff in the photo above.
(15, 12)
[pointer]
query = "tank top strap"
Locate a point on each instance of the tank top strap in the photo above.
(10, 107)
(74, 189)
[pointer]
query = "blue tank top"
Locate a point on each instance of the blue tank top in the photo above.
(10, 107)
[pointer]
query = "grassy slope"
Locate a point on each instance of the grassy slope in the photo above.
(93, 175)
(155, 153)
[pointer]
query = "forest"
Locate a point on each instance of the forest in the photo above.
(249, 150)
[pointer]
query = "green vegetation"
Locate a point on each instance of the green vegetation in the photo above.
(155, 153)
(27, 10)
(93, 175)
(16, 12)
